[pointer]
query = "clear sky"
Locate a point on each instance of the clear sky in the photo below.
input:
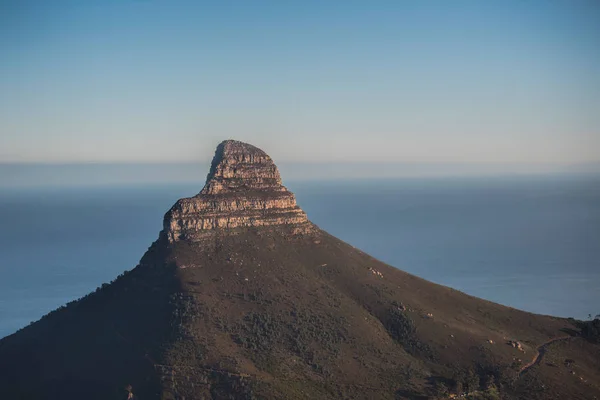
(309, 81)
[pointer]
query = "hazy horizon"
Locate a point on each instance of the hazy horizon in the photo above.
(31, 175)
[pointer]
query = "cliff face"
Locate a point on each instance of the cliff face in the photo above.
(243, 189)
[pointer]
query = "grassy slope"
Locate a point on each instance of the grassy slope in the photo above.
(312, 318)
(261, 315)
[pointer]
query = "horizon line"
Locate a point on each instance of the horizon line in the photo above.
(334, 162)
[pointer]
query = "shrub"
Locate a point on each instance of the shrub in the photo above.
(591, 330)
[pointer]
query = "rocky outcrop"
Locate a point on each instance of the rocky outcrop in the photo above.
(243, 189)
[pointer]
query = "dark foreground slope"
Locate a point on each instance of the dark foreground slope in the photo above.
(260, 303)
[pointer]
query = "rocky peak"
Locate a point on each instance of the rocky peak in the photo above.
(243, 189)
(238, 167)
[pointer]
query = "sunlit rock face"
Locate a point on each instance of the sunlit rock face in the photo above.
(243, 189)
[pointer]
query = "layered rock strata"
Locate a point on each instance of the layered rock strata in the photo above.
(243, 189)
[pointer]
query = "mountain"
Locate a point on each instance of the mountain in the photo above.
(242, 297)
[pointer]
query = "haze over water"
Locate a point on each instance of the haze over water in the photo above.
(530, 242)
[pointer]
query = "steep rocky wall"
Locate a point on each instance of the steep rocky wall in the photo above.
(243, 189)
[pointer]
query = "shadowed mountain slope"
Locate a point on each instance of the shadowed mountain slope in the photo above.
(242, 297)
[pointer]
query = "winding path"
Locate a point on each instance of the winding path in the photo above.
(541, 350)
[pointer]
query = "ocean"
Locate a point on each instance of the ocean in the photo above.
(530, 242)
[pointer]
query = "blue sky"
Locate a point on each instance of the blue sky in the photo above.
(503, 82)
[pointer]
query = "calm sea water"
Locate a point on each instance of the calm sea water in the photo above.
(531, 243)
